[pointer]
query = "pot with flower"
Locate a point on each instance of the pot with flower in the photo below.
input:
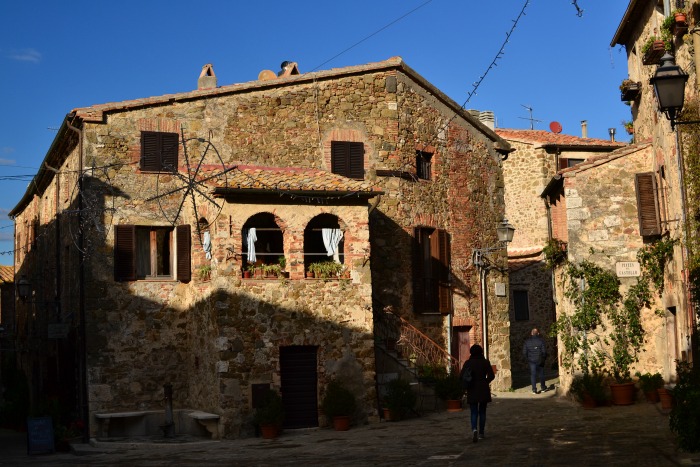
(629, 90)
(649, 384)
(653, 49)
(449, 388)
(589, 390)
(399, 399)
(269, 415)
(339, 405)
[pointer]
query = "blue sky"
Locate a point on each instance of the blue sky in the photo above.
(56, 56)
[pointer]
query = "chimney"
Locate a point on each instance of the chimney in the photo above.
(486, 117)
(584, 128)
(207, 78)
(612, 134)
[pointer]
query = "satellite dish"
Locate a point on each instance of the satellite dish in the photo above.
(555, 127)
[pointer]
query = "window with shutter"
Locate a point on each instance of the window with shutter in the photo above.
(159, 151)
(647, 204)
(348, 159)
(146, 252)
(431, 287)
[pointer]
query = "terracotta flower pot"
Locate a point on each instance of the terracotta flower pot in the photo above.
(341, 423)
(588, 402)
(652, 396)
(666, 398)
(622, 393)
(454, 405)
(269, 431)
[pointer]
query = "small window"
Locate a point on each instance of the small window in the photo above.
(521, 306)
(565, 163)
(146, 252)
(159, 151)
(432, 292)
(348, 159)
(424, 165)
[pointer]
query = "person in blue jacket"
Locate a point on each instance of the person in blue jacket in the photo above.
(535, 352)
(478, 389)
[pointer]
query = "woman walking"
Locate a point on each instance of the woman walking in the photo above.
(478, 389)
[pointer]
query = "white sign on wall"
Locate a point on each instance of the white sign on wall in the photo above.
(627, 269)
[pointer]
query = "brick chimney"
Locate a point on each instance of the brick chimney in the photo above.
(207, 78)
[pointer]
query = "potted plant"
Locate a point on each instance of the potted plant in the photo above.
(629, 90)
(589, 390)
(653, 49)
(204, 272)
(269, 415)
(629, 126)
(649, 384)
(685, 414)
(449, 388)
(399, 399)
(282, 261)
(339, 405)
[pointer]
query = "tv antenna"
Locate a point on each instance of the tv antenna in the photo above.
(532, 120)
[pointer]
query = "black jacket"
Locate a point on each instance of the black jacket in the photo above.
(482, 375)
(534, 350)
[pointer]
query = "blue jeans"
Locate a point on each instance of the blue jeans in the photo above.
(535, 372)
(478, 413)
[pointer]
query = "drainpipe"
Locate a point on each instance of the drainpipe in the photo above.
(82, 349)
(484, 317)
(696, 52)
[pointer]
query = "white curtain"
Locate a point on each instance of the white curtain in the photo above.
(331, 240)
(206, 244)
(252, 238)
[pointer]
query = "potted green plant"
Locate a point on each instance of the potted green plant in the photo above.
(589, 390)
(204, 272)
(282, 261)
(629, 126)
(339, 405)
(449, 388)
(653, 49)
(269, 414)
(629, 90)
(649, 384)
(685, 413)
(399, 400)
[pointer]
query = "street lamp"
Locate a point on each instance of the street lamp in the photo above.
(505, 232)
(669, 86)
(23, 288)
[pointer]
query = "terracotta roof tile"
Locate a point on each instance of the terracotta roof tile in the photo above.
(7, 274)
(243, 177)
(603, 158)
(547, 138)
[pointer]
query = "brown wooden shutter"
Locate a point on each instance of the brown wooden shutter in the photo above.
(444, 289)
(184, 264)
(356, 161)
(149, 151)
(647, 204)
(169, 145)
(124, 253)
(563, 163)
(348, 159)
(418, 272)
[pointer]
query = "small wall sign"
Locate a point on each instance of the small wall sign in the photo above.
(627, 269)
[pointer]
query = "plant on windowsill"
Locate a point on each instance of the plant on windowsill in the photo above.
(629, 126)
(629, 90)
(282, 261)
(339, 405)
(271, 270)
(654, 48)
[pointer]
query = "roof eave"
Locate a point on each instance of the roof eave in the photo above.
(620, 37)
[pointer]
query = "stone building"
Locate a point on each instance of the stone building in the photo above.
(672, 164)
(137, 232)
(537, 156)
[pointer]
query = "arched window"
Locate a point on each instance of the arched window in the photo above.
(262, 240)
(323, 241)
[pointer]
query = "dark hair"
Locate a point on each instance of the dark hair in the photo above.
(476, 349)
